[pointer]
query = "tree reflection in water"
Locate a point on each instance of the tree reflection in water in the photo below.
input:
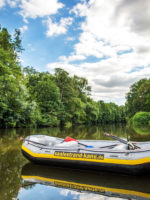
(11, 159)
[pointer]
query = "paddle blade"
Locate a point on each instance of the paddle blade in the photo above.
(68, 139)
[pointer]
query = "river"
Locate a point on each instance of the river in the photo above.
(21, 180)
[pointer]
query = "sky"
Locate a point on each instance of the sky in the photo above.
(47, 192)
(105, 41)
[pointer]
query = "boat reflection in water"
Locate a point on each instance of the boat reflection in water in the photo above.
(100, 183)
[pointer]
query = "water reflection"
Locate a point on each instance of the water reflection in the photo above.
(81, 132)
(11, 162)
(144, 130)
(63, 183)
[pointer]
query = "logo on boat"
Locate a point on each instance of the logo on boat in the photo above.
(80, 187)
(79, 155)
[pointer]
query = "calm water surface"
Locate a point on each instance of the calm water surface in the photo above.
(22, 180)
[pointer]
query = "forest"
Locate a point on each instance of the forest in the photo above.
(138, 103)
(29, 98)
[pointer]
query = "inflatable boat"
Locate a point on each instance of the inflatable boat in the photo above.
(118, 156)
(97, 182)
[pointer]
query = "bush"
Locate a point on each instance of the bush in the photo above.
(141, 118)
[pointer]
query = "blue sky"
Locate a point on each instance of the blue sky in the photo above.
(47, 192)
(105, 41)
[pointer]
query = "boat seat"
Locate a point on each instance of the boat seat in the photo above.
(53, 143)
(121, 147)
(45, 140)
(64, 144)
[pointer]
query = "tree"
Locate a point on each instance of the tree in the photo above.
(31, 98)
(15, 109)
(141, 119)
(103, 116)
(17, 41)
(81, 87)
(110, 113)
(138, 98)
(92, 112)
(45, 93)
(73, 97)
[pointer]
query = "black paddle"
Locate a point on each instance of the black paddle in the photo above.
(130, 144)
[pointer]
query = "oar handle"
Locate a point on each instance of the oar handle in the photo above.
(133, 146)
(116, 138)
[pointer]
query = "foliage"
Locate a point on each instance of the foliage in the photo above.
(10, 168)
(15, 109)
(111, 113)
(140, 119)
(138, 104)
(31, 98)
(138, 99)
(141, 130)
(92, 111)
(45, 93)
(140, 123)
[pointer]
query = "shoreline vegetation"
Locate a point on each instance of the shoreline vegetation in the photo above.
(40, 99)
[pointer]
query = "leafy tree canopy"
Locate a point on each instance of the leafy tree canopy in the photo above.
(31, 98)
(138, 98)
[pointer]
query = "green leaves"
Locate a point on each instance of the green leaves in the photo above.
(140, 119)
(32, 98)
(138, 99)
(111, 113)
(15, 109)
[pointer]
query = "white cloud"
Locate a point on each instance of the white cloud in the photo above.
(55, 29)
(2, 3)
(72, 58)
(117, 33)
(23, 28)
(103, 25)
(70, 38)
(84, 195)
(136, 14)
(39, 8)
(34, 8)
(89, 45)
(110, 79)
(80, 9)
(13, 3)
